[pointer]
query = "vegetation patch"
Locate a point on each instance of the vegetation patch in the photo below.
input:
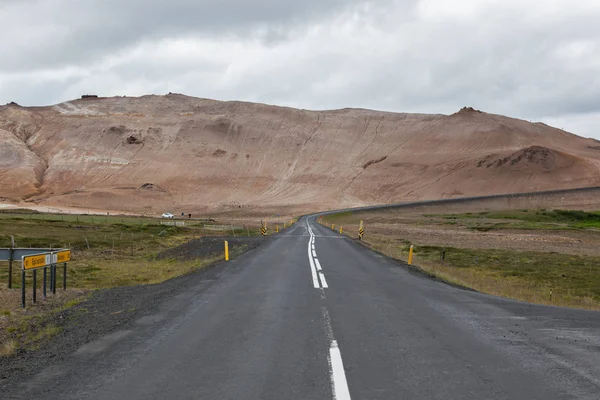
(533, 219)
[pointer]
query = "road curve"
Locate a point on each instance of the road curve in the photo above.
(313, 315)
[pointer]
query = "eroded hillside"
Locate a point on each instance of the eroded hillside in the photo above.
(154, 153)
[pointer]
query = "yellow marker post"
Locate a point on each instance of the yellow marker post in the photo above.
(226, 250)
(333, 226)
(410, 255)
(277, 228)
(341, 227)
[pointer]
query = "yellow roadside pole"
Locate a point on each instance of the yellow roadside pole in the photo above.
(226, 250)
(410, 255)
(361, 230)
(341, 228)
(277, 228)
(333, 226)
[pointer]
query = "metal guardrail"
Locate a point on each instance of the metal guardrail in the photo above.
(459, 200)
(17, 253)
(173, 223)
(222, 227)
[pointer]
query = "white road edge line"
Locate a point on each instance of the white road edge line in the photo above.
(318, 264)
(338, 376)
(323, 281)
(314, 253)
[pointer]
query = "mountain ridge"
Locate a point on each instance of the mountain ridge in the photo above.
(211, 155)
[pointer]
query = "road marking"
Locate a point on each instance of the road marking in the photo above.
(318, 264)
(338, 376)
(319, 281)
(323, 281)
(328, 330)
(313, 271)
(339, 384)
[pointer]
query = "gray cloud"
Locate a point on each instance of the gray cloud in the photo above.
(537, 61)
(81, 31)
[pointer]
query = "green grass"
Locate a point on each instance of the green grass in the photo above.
(577, 274)
(340, 216)
(546, 278)
(533, 219)
(104, 255)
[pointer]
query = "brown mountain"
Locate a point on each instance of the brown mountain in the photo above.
(157, 153)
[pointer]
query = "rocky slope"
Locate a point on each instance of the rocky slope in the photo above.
(173, 152)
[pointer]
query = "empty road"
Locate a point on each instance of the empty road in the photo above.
(313, 315)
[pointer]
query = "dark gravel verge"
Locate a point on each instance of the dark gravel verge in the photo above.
(210, 246)
(108, 310)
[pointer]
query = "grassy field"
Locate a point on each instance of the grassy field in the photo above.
(556, 277)
(107, 252)
(529, 219)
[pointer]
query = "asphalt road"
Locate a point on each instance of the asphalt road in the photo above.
(284, 322)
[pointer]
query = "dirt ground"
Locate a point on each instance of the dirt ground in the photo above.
(436, 234)
(426, 225)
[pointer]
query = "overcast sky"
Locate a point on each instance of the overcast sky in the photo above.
(533, 59)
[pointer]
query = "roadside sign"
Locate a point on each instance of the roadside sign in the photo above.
(263, 231)
(34, 259)
(37, 261)
(63, 256)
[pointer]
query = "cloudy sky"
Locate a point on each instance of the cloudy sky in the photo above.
(533, 59)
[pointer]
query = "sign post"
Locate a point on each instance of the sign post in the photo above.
(23, 288)
(10, 261)
(54, 276)
(34, 286)
(44, 260)
(45, 278)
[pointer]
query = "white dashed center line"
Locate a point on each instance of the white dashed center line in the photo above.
(339, 385)
(315, 265)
